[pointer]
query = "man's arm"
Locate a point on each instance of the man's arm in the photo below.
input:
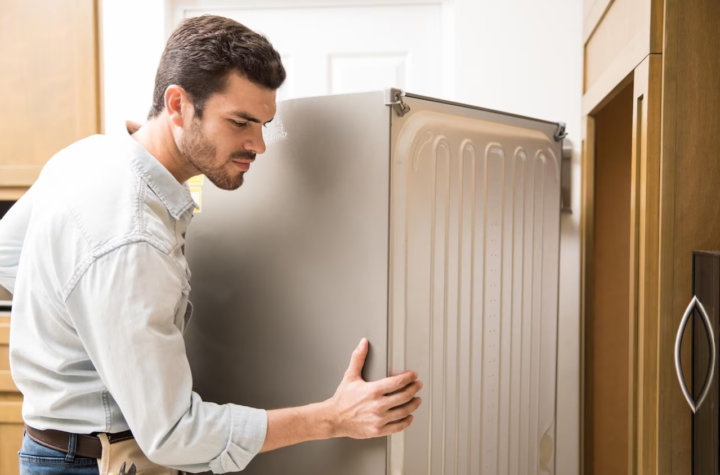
(13, 227)
(122, 308)
(358, 409)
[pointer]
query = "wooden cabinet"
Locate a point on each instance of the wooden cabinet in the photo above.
(50, 98)
(661, 73)
(49, 83)
(11, 423)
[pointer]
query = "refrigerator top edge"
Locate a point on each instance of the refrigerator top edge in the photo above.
(484, 109)
(556, 130)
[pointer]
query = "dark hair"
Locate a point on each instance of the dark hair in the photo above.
(202, 51)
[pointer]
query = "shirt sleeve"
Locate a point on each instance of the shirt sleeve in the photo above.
(13, 227)
(123, 309)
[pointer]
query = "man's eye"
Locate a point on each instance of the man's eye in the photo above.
(240, 124)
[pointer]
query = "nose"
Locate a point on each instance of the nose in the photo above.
(256, 142)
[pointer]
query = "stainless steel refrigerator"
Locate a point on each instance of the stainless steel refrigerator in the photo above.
(429, 227)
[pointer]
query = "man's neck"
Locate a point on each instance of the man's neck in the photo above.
(157, 138)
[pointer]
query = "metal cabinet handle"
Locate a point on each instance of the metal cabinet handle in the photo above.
(678, 343)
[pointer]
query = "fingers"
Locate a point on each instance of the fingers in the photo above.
(357, 361)
(395, 383)
(397, 426)
(405, 410)
(402, 397)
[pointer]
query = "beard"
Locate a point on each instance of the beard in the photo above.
(202, 153)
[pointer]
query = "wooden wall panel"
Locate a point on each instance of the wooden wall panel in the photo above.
(49, 86)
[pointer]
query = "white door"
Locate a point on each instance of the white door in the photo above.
(339, 49)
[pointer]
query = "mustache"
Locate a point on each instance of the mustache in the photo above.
(242, 154)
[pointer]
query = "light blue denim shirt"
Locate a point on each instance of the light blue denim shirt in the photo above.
(93, 255)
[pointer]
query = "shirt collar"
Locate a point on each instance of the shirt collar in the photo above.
(174, 195)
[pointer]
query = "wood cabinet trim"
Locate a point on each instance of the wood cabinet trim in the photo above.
(618, 74)
(587, 231)
(12, 193)
(624, 30)
(667, 237)
(594, 16)
(19, 176)
(644, 267)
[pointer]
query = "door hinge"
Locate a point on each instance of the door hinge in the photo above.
(560, 132)
(394, 98)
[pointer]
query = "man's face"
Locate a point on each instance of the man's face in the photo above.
(223, 144)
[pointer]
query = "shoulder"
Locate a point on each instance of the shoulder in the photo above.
(92, 184)
(89, 201)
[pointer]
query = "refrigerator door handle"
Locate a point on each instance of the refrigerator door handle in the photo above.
(695, 303)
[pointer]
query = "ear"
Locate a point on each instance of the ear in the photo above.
(177, 102)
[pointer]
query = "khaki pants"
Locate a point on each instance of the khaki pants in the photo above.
(129, 453)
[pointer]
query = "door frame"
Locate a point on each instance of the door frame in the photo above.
(644, 326)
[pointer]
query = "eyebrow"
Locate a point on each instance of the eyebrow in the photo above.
(249, 118)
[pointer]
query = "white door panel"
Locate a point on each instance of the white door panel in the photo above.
(342, 49)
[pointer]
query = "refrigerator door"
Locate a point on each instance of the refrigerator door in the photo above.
(474, 243)
(291, 271)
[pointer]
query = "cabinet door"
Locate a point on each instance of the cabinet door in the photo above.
(49, 82)
(706, 287)
(690, 193)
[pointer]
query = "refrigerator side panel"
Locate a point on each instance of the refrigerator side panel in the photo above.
(291, 271)
(474, 263)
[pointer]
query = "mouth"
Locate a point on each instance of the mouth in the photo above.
(243, 165)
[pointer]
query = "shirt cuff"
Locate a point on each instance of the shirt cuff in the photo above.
(247, 436)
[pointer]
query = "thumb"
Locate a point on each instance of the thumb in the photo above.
(357, 361)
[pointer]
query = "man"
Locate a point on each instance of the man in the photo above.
(94, 254)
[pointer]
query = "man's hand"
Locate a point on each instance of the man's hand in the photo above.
(362, 410)
(358, 409)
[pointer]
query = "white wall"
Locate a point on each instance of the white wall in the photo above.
(133, 37)
(522, 56)
(525, 56)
